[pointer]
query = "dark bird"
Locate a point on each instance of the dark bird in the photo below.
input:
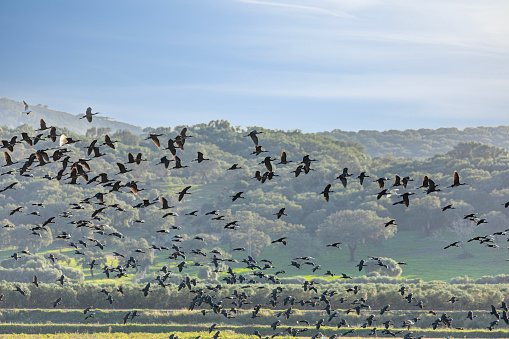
(165, 161)
(182, 193)
(494, 312)
(454, 244)
(390, 222)
(361, 265)
(281, 240)
(154, 138)
(146, 290)
(384, 309)
(283, 160)
(405, 200)
(108, 142)
(8, 160)
(88, 115)
(280, 213)
(42, 123)
(447, 207)
(343, 176)
(348, 332)
(397, 181)
(456, 180)
(9, 187)
(126, 317)
(425, 182)
(326, 192)
(178, 163)
(200, 157)
(381, 182)
(452, 300)
(361, 177)
(432, 187)
(470, 216)
(405, 181)
(471, 315)
(253, 136)
(258, 150)
(267, 161)
(122, 168)
(110, 299)
(171, 147)
(61, 280)
(480, 221)
(237, 196)
(234, 167)
(380, 194)
(35, 281)
(213, 327)
(18, 289)
(297, 171)
(164, 203)
(16, 210)
(133, 186)
(57, 302)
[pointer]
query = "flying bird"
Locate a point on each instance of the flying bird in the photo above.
(326, 192)
(456, 180)
(88, 115)
(182, 193)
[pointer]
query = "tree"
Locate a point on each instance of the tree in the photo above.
(463, 230)
(355, 227)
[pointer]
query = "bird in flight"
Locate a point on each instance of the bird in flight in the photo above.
(456, 180)
(326, 192)
(88, 115)
(26, 111)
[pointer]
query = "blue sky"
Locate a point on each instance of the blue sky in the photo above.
(310, 65)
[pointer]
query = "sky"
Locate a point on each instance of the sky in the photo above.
(281, 64)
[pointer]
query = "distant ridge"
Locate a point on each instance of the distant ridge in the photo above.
(10, 116)
(421, 143)
(418, 144)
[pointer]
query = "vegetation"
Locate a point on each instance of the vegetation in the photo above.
(483, 167)
(421, 143)
(353, 218)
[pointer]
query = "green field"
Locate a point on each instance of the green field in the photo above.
(426, 260)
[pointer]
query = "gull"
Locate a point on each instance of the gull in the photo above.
(26, 111)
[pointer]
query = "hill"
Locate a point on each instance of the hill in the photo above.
(421, 143)
(11, 117)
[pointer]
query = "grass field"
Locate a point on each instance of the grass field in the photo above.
(188, 331)
(426, 259)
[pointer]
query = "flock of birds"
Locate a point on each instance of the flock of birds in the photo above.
(79, 170)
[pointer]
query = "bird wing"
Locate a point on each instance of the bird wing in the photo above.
(343, 180)
(63, 140)
(156, 141)
(7, 157)
(121, 167)
(456, 178)
(130, 157)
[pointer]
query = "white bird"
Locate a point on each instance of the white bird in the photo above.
(26, 111)
(393, 192)
(63, 140)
